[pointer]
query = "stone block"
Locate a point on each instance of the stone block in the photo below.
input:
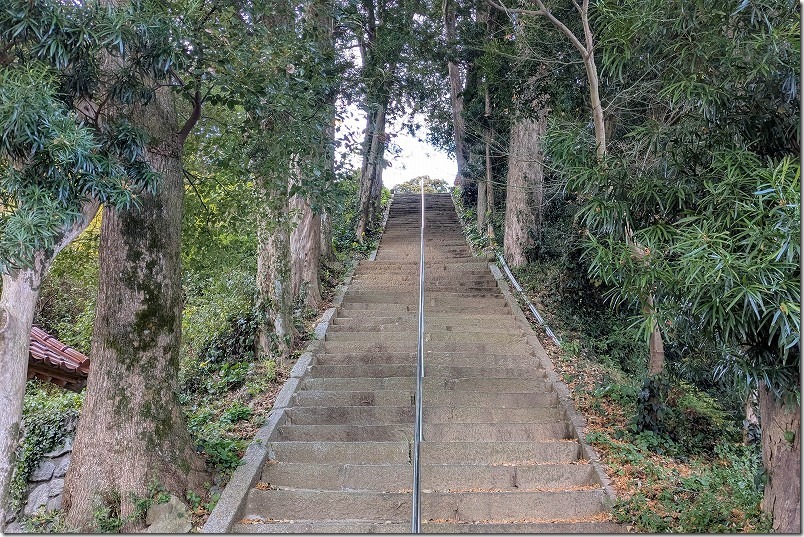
(43, 472)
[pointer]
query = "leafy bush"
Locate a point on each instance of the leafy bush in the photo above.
(66, 305)
(714, 497)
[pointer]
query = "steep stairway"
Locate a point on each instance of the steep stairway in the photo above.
(499, 453)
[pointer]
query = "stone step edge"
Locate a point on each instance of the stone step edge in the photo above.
(232, 502)
(576, 422)
(581, 526)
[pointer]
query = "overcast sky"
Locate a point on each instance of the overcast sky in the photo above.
(418, 158)
(415, 158)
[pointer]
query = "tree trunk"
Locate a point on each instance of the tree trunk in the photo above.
(524, 189)
(132, 431)
(456, 99)
(273, 271)
(327, 251)
(781, 456)
(489, 188)
(17, 304)
(305, 252)
(374, 150)
(482, 208)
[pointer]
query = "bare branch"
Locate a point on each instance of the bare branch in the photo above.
(193, 119)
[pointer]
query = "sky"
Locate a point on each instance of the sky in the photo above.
(418, 158)
(415, 157)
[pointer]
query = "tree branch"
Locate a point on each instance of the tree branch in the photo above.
(193, 119)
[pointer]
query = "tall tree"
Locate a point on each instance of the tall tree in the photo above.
(704, 184)
(455, 90)
(383, 30)
(134, 431)
(307, 239)
(61, 157)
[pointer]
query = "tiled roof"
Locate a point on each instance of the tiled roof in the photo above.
(51, 360)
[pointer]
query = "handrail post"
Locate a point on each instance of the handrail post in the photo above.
(417, 432)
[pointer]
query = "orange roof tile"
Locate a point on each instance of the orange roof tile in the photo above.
(51, 360)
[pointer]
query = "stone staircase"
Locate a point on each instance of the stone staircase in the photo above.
(500, 453)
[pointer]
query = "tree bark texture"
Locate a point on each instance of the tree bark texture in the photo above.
(524, 190)
(133, 431)
(273, 270)
(781, 456)
(305, 252)
(374, 150)
(456, 99)
(327, 250)
(17, 305)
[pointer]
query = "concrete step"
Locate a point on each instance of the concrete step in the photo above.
(430, 370)
(432, 384)
(498, 307)
(492, 453)
(429, 346)
(430, 335)
(447, 506)
(366, 415)
(502, 324)
(258, 525)
(467, 299)
(455, 359)
(397, 397)
(434, 477)
(436, 432)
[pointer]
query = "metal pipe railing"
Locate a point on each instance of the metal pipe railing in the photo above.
(417, 430)
(525, 298)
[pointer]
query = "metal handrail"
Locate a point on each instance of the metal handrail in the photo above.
(525, 298)
(417, 430)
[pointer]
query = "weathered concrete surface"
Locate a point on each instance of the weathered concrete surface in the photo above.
(501, 452)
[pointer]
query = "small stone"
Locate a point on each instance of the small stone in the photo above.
(37, 498)
(14, 527)
(43, 472)
(55, 503)
(56, 487)
(61, 450)
(62, 464)
(170, 517)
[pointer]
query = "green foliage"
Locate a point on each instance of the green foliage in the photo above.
(106, 516)
(56, 155)
(431, 186)
(66, 306)
(225, 365)
(692, 221)
(718, 497)
(47, 412)
(46, 522)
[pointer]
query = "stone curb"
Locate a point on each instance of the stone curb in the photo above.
(577, 421)
(232, 501)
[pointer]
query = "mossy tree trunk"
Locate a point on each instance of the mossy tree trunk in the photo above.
(524, 187)
(305, 252)
(274, 295)
(781, 456)
(132, 431)
(17, 304)
(371, 174)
